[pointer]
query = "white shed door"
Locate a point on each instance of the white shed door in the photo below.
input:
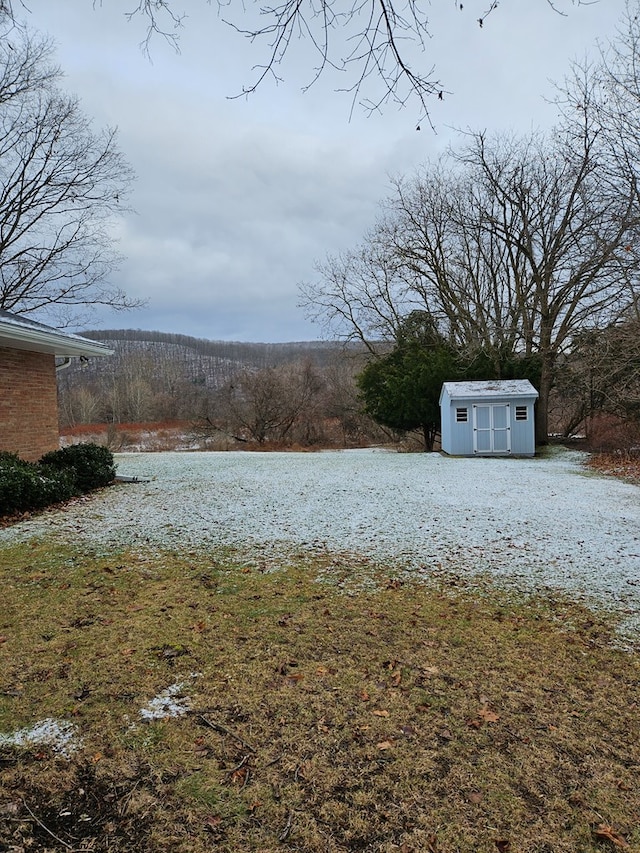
(492, 429)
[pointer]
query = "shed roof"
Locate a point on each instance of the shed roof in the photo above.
(21, 333)
(488, 389)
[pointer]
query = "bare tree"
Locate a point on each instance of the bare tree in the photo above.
(515, 249)
(80, 405)
(428, 252)
(266, 404)
(617, 106)
(342, 404)
(569, 224)
(361, 295)
(61, 187)
(605, 364)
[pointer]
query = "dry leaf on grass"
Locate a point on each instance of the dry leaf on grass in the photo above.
(485, 715)
(488, 716)
(607, 833)
(240, 776)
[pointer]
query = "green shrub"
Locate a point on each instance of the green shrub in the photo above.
(25, 485)
(58, 484)
(58, 476)
(92, 464)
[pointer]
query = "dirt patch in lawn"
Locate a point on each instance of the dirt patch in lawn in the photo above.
(326, 705)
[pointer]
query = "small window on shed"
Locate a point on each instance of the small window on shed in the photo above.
(522, 413)
(462, 415)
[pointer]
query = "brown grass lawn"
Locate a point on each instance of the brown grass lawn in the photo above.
(332, 707)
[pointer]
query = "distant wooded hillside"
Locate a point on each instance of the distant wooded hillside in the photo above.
(209, 363)
(262, 392)
(305, 392)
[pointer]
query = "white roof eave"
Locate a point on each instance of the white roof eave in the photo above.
(20, 337)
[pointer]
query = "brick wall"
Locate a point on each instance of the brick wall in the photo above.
(28, 403)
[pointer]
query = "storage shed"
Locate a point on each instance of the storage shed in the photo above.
(494, 418)
(28, 387)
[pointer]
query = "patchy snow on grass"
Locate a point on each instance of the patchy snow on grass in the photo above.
(541, 523)
(169, 703)
(60, 735)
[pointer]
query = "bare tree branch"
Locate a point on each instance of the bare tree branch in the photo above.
(379, 46)
(61, 187)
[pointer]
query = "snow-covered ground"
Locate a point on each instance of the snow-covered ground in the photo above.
(543, 522)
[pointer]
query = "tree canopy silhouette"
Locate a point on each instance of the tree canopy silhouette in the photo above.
(61, 186)
(381, 46)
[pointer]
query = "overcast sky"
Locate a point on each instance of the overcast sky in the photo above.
(236, 199)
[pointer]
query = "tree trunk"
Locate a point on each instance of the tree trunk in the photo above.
(542, 406)
(429, 437)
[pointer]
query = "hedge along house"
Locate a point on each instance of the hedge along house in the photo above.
(494, 418)
(28, 386)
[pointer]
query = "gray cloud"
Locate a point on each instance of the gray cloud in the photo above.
(236, 199)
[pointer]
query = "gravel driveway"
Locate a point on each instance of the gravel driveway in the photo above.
(543, 522)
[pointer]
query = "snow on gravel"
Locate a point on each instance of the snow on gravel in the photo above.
(540, 523)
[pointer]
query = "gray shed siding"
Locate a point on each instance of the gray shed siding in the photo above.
(499, 418)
